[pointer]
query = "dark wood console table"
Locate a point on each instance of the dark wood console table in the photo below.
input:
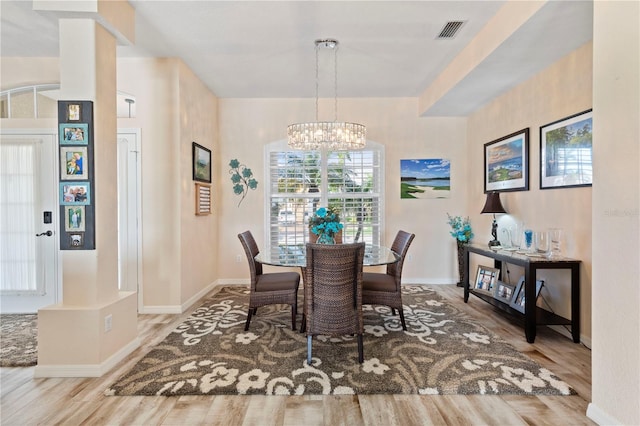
(533, 315)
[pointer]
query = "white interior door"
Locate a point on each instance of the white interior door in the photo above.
(29, 270)
(129, 225)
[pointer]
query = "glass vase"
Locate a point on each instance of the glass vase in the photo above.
(325, 239)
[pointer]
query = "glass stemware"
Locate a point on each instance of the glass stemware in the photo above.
(542, 242)
(528, 239)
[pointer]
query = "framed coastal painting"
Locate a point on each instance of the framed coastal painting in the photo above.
(566, 152)
(425, 178)
(506, 163)
(201, 163)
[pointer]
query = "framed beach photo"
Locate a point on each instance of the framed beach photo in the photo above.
(74, 133)
(428, 178)
(504, 292)
(566, 149)
(75, 194)
(73, 163)
(506, 163)
(518, 300)
(74, 219)
(201, 163)
(486, 279)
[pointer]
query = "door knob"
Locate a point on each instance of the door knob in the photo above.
(48, 234)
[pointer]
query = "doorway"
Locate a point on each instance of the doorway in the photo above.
(129, 213)
(29, 240)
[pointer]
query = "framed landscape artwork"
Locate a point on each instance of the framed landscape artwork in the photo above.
(201, 163)
(428, 178)
(566, 152)
(506, 163)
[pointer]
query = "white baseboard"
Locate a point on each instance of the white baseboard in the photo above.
(86, 370)
(186, 305)
(599, 416)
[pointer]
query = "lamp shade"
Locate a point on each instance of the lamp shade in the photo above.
(493, 204)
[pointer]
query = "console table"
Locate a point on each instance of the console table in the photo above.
(533, 315)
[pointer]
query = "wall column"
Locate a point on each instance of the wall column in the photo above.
(95, 325)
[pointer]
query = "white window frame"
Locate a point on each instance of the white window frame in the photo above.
(373, 236)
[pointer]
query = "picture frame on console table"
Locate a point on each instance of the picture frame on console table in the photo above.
(518, 300)
(566, 148)
(506, 163)
(486, 279)
(504, 292)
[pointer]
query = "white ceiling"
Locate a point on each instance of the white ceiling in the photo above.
(265, 49)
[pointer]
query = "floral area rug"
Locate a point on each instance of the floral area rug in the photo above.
(18, 340)
(443, 351)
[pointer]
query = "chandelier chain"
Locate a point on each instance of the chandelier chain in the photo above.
(335, 83)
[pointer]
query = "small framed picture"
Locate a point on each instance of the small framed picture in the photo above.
(74, 133)
(518, 300)
(486, 279)
(504, 292)
(74, 219)
(506, 163)
(73, 163)
(73, 112)
(75, 194)
(201, 163)
(76, 240)
(566, 152)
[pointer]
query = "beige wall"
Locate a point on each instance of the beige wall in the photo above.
(199, 234)
(561, 90)
(247, 125)
(616, 214)
(173, 109)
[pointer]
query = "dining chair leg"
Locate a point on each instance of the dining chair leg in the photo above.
(308, 350)
(360, 349)
(303, 324)
(246, 325)
(404, 325)
(255, 311)
(294, 312)
(393, 311)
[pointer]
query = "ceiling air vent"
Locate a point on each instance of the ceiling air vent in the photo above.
(450, 29)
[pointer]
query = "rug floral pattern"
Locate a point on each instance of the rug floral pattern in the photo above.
(443, 351)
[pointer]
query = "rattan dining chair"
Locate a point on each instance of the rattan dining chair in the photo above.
(384, 289)
(268, 289)
(333, 292)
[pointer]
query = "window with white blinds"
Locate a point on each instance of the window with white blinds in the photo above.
(299, 182)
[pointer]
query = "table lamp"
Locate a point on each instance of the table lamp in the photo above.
(493, 205)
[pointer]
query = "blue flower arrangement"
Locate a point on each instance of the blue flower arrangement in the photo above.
(325, 223)
(460, 228)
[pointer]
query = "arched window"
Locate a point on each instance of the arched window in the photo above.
(299, 182)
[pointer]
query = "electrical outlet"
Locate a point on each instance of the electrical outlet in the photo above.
(238, 258)
(107, 323)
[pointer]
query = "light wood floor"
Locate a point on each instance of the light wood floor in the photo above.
(69, 401)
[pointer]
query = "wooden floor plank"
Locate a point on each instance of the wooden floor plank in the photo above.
(76, 401)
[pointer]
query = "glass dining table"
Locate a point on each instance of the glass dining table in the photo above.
(296, 256)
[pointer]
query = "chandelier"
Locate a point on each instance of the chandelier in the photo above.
(330, 135)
